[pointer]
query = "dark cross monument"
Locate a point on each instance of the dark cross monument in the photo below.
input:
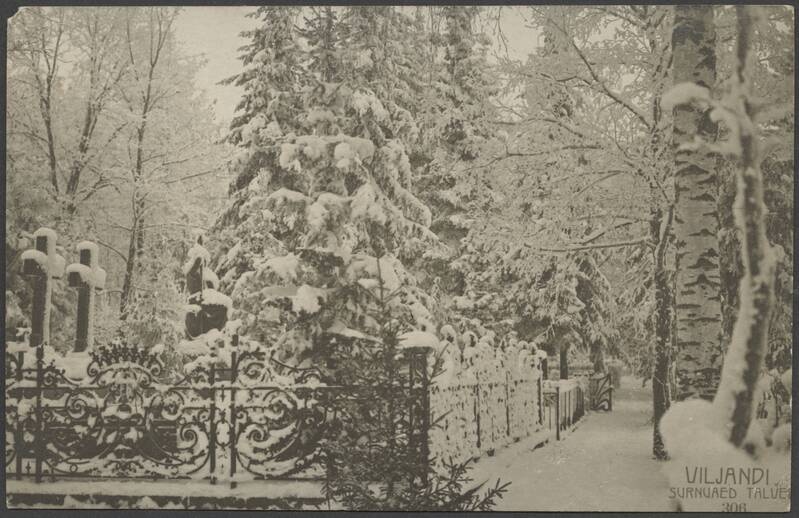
(42, 264)
(86, 276)
(199, 280)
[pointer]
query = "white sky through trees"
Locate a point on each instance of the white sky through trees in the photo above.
(214, 32)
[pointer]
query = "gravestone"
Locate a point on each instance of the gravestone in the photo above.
(42, 265)
(208, 309)
(86, 277)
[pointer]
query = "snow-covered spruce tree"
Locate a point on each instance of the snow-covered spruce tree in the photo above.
(374, 461)
(560, 302)
(455, 106)
(466, 84)
(374, 52)
(272, 80)
(312, 250)
(329, 193)
(320, 31)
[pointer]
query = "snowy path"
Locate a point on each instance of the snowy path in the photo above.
(605, 464)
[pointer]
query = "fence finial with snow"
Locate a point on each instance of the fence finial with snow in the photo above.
(87, 277)
(42, 264)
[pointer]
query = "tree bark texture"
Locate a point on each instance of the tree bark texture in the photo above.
(663, 323)
(698, 355)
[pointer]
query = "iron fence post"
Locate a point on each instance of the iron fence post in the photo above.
(477, 413)
(540, 401)
(212, 426)
(557, 412)
(507, 404)
(18, 436)
(610, 400)
(233, 376)
(37, 440)
(569, 410)
(413, 446)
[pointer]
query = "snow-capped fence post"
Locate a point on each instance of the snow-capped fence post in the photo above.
(86, 277)
(42, 265)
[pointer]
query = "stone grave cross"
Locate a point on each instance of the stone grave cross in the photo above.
(86, 277)
(42, 265)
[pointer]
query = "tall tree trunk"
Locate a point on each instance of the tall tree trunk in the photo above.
(130, 264)
(730, 266)
(158, 35)
(662, 232)
(756, 296)
(45, 85)
(328, 67)
(597, 355)
(697, 299)
(51, 156)
(664, 303)
(564, 361)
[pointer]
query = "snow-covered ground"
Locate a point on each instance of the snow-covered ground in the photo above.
(605, 464)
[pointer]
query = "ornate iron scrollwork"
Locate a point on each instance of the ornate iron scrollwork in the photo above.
(252, 418)
(601, 392)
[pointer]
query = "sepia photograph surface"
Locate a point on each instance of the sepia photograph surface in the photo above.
(399, 258)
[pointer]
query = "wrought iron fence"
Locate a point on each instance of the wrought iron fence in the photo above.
(252, 418)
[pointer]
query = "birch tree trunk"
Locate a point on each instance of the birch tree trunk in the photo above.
(756, 293)
(698, 354)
